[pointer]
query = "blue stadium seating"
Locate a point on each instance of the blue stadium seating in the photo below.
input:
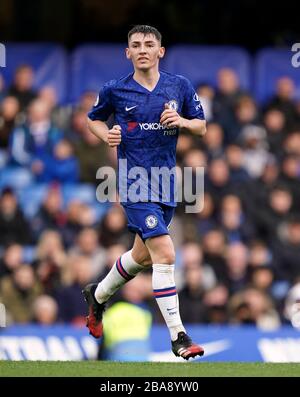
(85, 193)
(270, 64)
(15, 177)
(31, 198)
(201, 63)
(93, 65)
(49, 62)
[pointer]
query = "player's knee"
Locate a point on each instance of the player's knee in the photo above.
(146, 262)
(167, 257)
(142, 258)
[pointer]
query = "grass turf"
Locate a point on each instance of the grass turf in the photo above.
(145, 369)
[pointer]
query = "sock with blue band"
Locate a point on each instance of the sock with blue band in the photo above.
(165, 293)
(124, 269)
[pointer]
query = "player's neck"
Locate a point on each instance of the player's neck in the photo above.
(147, 79)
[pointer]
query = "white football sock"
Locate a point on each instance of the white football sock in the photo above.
(124, 269)
(164, 290)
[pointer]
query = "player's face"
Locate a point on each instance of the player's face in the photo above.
(144, 51)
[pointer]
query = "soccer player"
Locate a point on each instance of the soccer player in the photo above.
(150, 108)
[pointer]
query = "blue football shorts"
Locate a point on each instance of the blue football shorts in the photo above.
(149, 219)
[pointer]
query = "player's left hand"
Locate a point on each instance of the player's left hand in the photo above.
(170, 118)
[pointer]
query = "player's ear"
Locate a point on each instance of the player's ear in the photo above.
(127, 52)
(161, 52)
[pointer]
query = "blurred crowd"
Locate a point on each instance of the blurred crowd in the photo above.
(238, 260)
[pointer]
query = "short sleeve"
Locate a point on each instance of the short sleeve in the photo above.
(103, 107)
(192, 108)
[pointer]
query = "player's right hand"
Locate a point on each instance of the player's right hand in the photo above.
(114, 136)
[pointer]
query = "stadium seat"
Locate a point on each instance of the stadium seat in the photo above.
(201, 63)
(85, 193)
(93, 65)
(100, 209)
(28, 253)
(271, 64)
(31, 198)
(49, 62)
(15, 177)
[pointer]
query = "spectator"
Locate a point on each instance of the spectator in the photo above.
(11, 260)
(214, 248)
(254, 143)
(45, 310)
(236, 161)
(18, 293)
(206, 218)
(291, 144)
(234, 222)
(90, 151)
(13, 226)
(34, 140)
(87, 245)
(290, 176)
(8, 116)
(215, 301)
(225, 100)
(51, 214)
(192, 308)
(72, 308)
(113, 228)
(287, 251)
(269, 217)
(252, 306)
(283, 99)
(259, 254)
(60, 115)
(50, 262)
(261, 187)
(133, 315)
(213, 141)
(237, 267)
(192, 255)
(79, 216)
(218, 182)
(246, 114)
(22, 87)
(291, 307)
(61, 166)
(275, 124)
(262, 278)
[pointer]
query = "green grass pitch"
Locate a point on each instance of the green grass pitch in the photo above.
(145, 369)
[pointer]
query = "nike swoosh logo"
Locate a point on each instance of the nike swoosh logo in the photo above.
(173, 308)
(132, 107)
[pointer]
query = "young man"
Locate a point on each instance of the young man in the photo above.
(150, 107)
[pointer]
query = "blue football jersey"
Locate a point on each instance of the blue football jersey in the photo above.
(146, 143)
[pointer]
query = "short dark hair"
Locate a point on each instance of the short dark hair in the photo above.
(145, 30)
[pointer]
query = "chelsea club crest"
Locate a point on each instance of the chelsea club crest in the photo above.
(173, 105)
(151, 221)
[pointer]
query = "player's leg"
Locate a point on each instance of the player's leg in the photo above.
(162, 253)
(124, 269)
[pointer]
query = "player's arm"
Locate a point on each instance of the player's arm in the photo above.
(171, 118)
(194, 126)
(99, 128)
(101, 111)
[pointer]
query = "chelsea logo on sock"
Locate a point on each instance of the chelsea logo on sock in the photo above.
(151, 221)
